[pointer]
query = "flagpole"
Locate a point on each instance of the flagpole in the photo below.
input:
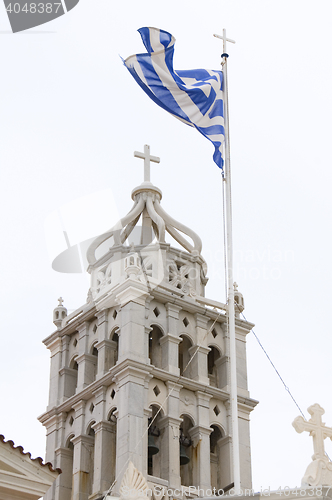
(230, 281)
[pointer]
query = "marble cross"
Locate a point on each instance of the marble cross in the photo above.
(60, 299)
(316, 428)
(147, 159)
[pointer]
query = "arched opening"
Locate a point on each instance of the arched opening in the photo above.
(111, 444)
(157, 460)
(114, 337)
(155, 347)
(186, 452)
(215, 461)
(70, 375)
(213, 356)
(184, 356)
(90, 450)
(94, 352)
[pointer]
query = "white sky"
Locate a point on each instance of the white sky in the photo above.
(71, 117)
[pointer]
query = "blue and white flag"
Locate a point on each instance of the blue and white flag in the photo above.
(194, 96)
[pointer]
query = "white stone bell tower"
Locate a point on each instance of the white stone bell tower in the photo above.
(140, 372)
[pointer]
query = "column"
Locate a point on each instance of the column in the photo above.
(55, 349)
(104, 346)
(131, 383)
(199, 364)
(81, 461)
(170, 353)
(221, 366)
(68, 378)
(105, 456)
(85, 361)
(170, 441)
(63, 485)
(51, 445)
(133, 341)
(224, 452)
(200, 435)
(83, 451)
(201, 328)
(106, 356)
(172, 318)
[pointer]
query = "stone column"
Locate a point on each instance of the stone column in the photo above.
(133, 341)
(68, 379)
(221, 366)
(131, 420)
(200, 436)
(170, 353)
(105, 456)
(86, 370)
(64, 460)
(170, 446)
(224, 452)
(81, 457)
(84, 360)
(199, 364)
(103, 346)
(201, 329)
(106, 356)
(51, 444)
(245, 453)
(63, 485)
(170, 441)
(55, 349)
(83, 446)
(172, 318)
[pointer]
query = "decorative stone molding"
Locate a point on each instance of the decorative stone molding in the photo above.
(133, 485)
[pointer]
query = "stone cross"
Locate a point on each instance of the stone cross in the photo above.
(60, 299)
(147, 158)
(224, 39)
(316, 428)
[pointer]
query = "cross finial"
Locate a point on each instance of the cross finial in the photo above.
(60, 299)
(147, 158)
(224, 39)
(317, 429)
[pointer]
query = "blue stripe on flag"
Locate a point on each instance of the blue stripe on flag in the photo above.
(194, 96)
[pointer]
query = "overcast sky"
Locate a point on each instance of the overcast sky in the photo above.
(70, 118)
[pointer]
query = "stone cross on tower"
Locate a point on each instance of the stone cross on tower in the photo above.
(316, 428)
(147, 159)
(60, 299)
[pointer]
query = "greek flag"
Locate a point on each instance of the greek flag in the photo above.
(194, 96)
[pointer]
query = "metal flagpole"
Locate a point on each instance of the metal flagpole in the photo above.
(230, 280)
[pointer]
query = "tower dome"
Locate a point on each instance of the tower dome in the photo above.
(142, 232)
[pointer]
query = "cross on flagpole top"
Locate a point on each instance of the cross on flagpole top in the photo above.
(224, 39)
(147, 159)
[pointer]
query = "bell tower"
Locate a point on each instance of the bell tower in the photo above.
(140, 372)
